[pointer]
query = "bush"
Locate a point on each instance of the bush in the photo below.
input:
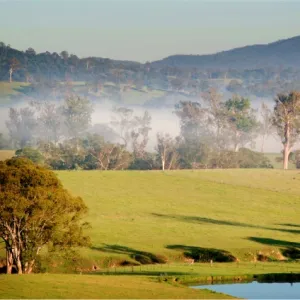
(292, 253)
(148, 258)
(207, 254)
(251, 159)
(32, 154)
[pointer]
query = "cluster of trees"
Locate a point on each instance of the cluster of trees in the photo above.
(46, 72)
(213, 134)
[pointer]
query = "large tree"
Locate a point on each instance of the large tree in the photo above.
(21, 125)
(241, 120)
(266, 124)
(195, 135)
(14, 65)
(36, 210)
(167, 151)
(287, 121)
(140, 135)
(78, 114)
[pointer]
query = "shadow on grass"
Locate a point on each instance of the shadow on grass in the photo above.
(141, 256)
(290, 250)
(200, 254)
(273, 242)
(289, 225)
(202, 220)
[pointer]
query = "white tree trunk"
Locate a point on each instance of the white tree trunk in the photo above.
(286, 153)
(10, 75)
(263, 144)
(9, 262)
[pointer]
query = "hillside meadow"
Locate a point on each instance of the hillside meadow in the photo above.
(244, 212)
(169, 215)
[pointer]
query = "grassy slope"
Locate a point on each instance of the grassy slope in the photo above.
(6, 154)
(8, 89)
(241, 211)
(95, 287)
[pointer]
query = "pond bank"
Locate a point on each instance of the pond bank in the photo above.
(267, 278)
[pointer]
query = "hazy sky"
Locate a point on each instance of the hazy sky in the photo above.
(144, 29)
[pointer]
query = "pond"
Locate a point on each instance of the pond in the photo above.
(256, 290)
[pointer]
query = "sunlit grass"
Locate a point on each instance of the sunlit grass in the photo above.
(54, 286)
(6, 154)
(242, 211)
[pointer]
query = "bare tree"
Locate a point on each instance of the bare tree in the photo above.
(123, 123)
(49, 120)
(21, 125)
(217, 118)
(113, 157)
(140, 134)
(166, 149)
(267, 127)
(286, 120)
(14, 65)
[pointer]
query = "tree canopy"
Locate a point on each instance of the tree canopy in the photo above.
(35, 211)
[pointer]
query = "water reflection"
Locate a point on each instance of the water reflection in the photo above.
(256, 290)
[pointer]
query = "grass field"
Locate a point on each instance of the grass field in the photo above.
(95, 287)
(168, 213)
(6, 154)
(8, 89)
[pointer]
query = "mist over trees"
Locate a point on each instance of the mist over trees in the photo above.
(214, 133)
(217, 120)
(57, 75)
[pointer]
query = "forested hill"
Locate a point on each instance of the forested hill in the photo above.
(283, 53)
(31, 66)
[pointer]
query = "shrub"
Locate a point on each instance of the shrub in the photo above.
(32, 154)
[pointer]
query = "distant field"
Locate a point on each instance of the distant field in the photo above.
(8, 89)
(6, 154)
(168, 213)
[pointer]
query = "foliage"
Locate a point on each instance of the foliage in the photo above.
(21, 126)
(286, 120)
(4, 144)
(36, 210)
(77, 112)
(32, 154)
(252, 159)
(241, 121)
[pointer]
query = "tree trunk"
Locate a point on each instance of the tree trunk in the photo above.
(286, 152)
(286, 146)
(236, 142)
(29, 267)
(163, 164)
(9, 262)
(19, 266)
(16, 254)
(10, 75)
(263, 144)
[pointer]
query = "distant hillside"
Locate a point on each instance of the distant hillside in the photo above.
(285, 53)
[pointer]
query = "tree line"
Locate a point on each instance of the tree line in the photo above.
(45, 71)
(213, 134)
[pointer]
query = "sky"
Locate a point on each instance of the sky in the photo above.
(145, 30)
